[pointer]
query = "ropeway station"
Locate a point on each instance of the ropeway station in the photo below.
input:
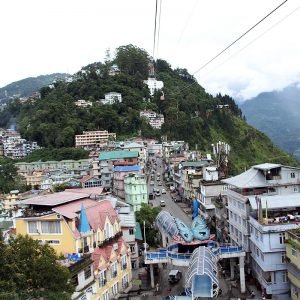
(194, 247)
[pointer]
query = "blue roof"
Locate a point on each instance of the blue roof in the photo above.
(84, 225)
(126, 168)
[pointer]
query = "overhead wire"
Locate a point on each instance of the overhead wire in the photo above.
(158, 28)
(155, 20)
(254, 40)
(234, 42)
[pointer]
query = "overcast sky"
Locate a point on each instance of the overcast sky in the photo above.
(43, 37)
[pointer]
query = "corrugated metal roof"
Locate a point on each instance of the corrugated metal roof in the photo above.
(119, 154)
(127, 220)
(277, 201)
(55, 199)
(249, 179)
(127, 168)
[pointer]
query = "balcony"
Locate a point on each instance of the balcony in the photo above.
(110, 240)
(124, 266)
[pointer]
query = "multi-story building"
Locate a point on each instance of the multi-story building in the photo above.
(154, 119)
(112, 98)
(141, 149)
(10, 200)
(154, 85)
(271, 217)
(279, 185)
(154, 150)
(119, 174)
(292, 240)
(82, 275)
(72, 222)
(83, 103)
(210, 187)
(136, 191)
(76, 167)
(103, 167)
(93, 139)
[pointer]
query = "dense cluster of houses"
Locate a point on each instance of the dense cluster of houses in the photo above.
(13, 146)
(93, 221)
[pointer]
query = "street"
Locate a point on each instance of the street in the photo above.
(171, 206)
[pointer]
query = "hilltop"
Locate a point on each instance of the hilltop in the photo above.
(190, 113)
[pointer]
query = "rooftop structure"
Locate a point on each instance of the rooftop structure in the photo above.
(119, 154)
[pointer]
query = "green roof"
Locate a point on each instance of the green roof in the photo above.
(138, 232)
(117, 154)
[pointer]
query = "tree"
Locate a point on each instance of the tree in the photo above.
(131, 59)
(30, 268)
(148, 214)
(8, 174)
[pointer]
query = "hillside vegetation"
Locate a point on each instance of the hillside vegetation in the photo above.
(28, 86)
(190, 113)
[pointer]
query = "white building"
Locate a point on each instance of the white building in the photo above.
(112, 98)
(154, 119)
(83, 103)
(154, 85)
(280, 186)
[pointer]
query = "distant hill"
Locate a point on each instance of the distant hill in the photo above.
(277, 114)
(28, 86)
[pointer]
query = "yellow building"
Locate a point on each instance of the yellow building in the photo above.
(293, 261)
(71, 223)
(35, 179)
(9, 201)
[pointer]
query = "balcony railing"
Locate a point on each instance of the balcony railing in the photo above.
(124, 266)
(102, 283)
(110, 240)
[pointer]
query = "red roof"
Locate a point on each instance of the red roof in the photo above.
(91, 191)
(98, 213)
(87, 178)
(69, 210)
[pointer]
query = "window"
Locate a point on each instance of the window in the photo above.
(114, 270)
(292, 175)
(124, 262)
(105, 295)
(240, 220)
(284, 277)
(294, 252)
(261, 237)
(114, 289)
(295, 189)
(283, 256)
(32, 227)
(131, 231)
(251, 228)
(257, 252)
(102, 278)
(50, 227)
(244, 223)
(87, 272)
(231, 215)
(262, 256)
(281, 238)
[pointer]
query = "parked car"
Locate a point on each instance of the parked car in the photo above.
(163, 191)
(174, 276)
(162, 203)
(151, 182)
(159, 183)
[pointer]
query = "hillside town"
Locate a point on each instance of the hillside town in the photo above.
(250, 222)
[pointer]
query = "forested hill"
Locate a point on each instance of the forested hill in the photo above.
(190, 113)
(28, 86)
